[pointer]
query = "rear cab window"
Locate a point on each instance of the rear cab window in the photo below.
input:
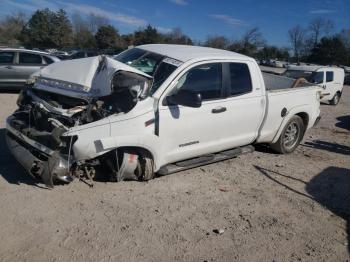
(240, 81)
(30, 59)
(7, 57)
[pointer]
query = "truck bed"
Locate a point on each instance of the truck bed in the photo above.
(280, 96)
(275, 82)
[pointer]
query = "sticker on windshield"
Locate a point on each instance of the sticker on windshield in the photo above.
(172, 61)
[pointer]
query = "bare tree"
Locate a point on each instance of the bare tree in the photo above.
(253, 37)
(176, 36)
(78, 23)
(11, 27)
(344, 36)
(318, 27)
(216, 41)
(83, 37)
(251, 41)
(96, 21)
(296, 37)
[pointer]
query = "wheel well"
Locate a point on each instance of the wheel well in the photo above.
(129, 150)
(305, 117)
(137, 150)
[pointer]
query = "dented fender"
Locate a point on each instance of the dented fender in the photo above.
(98, 138)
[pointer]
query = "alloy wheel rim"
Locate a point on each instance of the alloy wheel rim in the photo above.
(291, 135)
(336, 99)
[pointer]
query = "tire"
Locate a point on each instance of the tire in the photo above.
(143, 172)
(335, 100)
(147, 172)
(291, 136)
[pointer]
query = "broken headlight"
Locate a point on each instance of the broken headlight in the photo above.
(67, 143)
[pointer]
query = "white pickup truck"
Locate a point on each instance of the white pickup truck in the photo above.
(154, 109)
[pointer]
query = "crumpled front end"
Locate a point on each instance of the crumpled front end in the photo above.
(61, 99)
(38, 134)
(37, 159)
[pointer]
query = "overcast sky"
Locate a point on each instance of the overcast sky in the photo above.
(200, 18)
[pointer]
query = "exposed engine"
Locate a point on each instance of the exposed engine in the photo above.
(44, 117)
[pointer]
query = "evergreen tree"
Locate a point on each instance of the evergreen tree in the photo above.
(330, 51)
(106, 37)
(62, 30)
(149, 35)
(47, 29)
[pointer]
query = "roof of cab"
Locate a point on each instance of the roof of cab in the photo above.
(185, 53)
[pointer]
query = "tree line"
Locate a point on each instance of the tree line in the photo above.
(49, 29)
(44, 29)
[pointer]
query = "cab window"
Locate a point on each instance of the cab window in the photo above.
(329, 76)
(147, 63)
(6, 57)
(240, 80)
(48, 60)
(316, 78)
(204, 79)
(29, 58)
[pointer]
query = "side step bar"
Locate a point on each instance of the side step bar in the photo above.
(204, 160)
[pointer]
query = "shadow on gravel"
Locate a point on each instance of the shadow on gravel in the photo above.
(330, 188)
(10, 170)
(331, 147)
(343, 122)
(9, 91)
(265, 148)
(273, 175)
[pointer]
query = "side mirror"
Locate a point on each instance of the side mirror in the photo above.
(185, 98)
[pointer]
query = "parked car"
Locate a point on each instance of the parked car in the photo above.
(330, 78)
(82, 54)
(61, 55)
(278, 64)
(347, 79)
(16, 65)
(196, 106)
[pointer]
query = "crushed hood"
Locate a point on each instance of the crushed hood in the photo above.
(86, 77)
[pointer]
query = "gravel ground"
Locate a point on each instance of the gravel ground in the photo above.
(271, 207)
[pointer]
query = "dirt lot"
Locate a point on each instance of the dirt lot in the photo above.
(272, 207)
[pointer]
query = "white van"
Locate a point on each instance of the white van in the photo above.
(330, 78)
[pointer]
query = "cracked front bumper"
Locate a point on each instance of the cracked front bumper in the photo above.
(45, 164)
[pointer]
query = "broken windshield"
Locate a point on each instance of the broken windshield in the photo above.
(150, 63)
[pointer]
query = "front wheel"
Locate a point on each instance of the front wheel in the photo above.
(146, 165)
(290, 137)
(335, 99)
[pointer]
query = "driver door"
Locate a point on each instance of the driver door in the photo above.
(186, 132)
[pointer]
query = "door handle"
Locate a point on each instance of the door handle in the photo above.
(218, 110)
(8, 67)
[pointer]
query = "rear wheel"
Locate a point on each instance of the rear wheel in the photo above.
(335, 99)
(290, 137)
